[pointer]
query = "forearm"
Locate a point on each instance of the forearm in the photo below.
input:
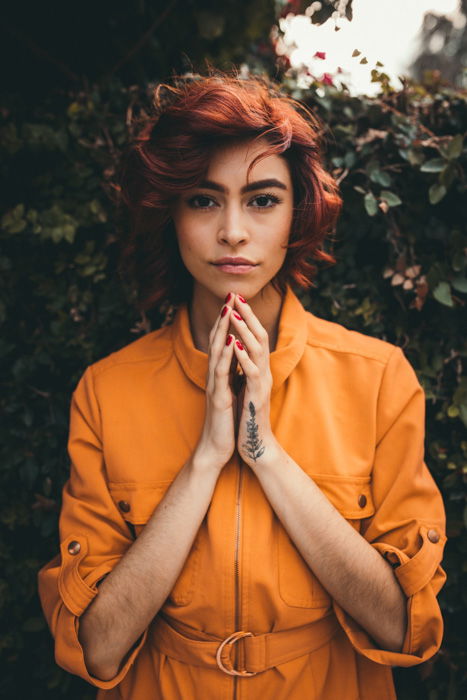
(351, 570)
(131, 595)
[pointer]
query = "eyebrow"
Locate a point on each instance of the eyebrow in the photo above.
(258, 185)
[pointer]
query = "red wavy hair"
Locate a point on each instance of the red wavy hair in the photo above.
(194, 116)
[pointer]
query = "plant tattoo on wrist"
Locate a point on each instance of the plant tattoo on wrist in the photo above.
(253, 445)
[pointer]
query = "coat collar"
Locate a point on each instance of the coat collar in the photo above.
(291, 341)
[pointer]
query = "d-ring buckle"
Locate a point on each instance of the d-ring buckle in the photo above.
(231, 640)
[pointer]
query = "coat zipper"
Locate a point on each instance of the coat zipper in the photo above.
(237, 569)
(239, 390)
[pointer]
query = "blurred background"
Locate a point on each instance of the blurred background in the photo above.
(389, 81)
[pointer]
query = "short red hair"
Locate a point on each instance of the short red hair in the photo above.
(194, 116)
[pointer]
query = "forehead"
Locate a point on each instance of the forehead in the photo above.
(232, 161)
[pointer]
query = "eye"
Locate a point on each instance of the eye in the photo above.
(263, 199)
(200, 201)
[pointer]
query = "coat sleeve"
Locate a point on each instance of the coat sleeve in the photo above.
(93, 538)
(408, 527)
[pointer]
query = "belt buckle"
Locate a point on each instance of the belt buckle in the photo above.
(231, 641)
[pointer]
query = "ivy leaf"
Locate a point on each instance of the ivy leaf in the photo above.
(371, 205)
(391, 198)
(435, 165)
(442, 293)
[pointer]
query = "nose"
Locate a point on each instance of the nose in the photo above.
(232, 226)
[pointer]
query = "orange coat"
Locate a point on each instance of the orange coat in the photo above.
(350, 411)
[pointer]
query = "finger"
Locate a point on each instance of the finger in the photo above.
(248, 339)
(222, 368)
(250, 369)
(246, 312)
(220, 327)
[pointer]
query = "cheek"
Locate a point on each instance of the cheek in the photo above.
(190, 242)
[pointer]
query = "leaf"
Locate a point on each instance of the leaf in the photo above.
(436, 193)
(435, 165)
(13, 221)
(463, 413)
(381, 177)
(442, 293)
(356, 52)
(371, 205)
(454, 149)
(391, 198)
(459, 283)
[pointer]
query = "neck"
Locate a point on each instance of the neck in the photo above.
(205, 307)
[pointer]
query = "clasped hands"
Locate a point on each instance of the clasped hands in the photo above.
(249, 344)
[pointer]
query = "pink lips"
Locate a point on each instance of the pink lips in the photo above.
(234, 265)
(235, 269)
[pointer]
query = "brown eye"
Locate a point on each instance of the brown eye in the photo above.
(200, 201)
(264, 201)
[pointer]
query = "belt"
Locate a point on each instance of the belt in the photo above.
(258, 652)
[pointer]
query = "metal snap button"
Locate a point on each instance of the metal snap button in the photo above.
(124, 505)
(362, 500)
(74, 547)
(433, 536)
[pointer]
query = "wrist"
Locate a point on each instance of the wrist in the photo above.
(203, 461)
(272, 455)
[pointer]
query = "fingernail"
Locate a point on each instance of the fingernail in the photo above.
(239, 345)
(229, 339)
(227, 298)
(241, 298)
(224, 310)
(237, 316)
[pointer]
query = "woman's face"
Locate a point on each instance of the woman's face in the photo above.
(222, 218)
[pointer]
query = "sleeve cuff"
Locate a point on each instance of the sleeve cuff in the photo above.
(77, 594)
(420, 578)
(70, 656)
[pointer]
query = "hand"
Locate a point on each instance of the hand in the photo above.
(255, 436)
(217, 441)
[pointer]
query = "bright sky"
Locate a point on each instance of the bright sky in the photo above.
(383, 30)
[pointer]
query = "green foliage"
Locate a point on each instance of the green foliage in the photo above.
(401, 246)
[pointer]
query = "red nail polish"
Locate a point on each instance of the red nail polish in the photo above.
(239, 345)
(229, 339)
(237, 315)
(227, 298)
(241, 298)
(224, 310)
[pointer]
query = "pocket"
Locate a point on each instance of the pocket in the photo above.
(136, 503)
(298, 586)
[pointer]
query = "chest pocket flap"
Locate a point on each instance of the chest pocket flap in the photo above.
(137, 501)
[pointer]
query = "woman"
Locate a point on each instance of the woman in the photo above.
(248, 512)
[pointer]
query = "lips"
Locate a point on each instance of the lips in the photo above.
(234, 261)
(238, 269)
